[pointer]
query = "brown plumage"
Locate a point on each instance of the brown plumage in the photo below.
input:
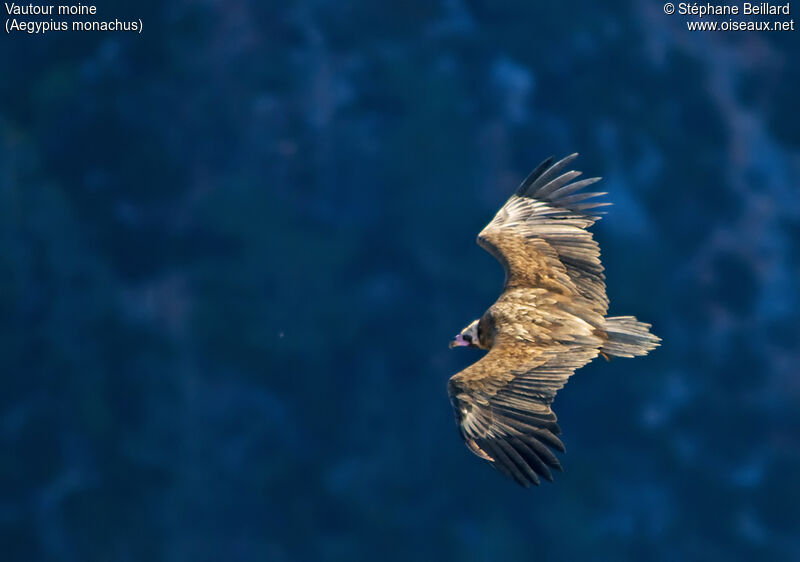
(549, 321)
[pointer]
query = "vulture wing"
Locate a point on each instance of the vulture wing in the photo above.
(502, 405)
(540, 236)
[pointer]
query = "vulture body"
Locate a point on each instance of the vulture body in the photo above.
(549, 321)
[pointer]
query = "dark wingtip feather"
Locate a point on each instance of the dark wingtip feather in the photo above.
(532, 459)
(534, 175)
(542, 451)
(557, 184)
(571, 200)
(551, 440)
(504, 463)
(568, 189)
(521, 463)
(548, 183)
(523, 459)
(547, 175)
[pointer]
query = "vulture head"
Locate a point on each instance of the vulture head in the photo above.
(471, 336)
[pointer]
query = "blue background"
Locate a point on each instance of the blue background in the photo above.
(233, 250)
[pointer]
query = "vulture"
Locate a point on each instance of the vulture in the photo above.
(549, 321)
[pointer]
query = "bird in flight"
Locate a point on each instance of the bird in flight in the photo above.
(549, 321)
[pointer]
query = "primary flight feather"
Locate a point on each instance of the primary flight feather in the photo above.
(549, 321)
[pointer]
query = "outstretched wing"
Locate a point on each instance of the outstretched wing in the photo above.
(540, 236)
(502, 405)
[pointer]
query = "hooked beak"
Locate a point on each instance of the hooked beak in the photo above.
(460, 341)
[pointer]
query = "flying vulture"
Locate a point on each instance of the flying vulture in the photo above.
(549, 320)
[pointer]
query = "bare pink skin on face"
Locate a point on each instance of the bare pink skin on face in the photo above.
(459, 341)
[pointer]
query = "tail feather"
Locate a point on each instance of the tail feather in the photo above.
(627, 337)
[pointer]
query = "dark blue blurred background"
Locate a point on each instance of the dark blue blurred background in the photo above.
(233, 250)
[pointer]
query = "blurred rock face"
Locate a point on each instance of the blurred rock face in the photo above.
(233, 249)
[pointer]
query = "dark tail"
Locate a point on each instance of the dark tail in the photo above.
(627, 337)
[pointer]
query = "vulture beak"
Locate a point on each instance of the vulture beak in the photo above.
(460, 341)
